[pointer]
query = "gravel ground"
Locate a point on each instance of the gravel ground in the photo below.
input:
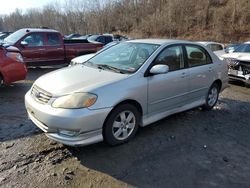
(191, 149)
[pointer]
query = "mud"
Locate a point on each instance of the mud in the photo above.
(191, 149)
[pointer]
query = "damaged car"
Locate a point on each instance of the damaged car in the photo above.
(239, 63)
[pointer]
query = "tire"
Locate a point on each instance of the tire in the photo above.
(1, 81)
(212, 97)
(121, 125)
(247, 85)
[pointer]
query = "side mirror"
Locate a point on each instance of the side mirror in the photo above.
(159, 69)
(24, 43)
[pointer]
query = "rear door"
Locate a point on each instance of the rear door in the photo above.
(168, 91)
(201, 71)
(54, 49)
(34, 52)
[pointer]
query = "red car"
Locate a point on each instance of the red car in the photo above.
(46, 47)
(12, 67)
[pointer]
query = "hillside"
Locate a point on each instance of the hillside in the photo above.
(219, 20)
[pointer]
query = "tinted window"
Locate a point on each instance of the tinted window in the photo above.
(215, 47)
(101, 39)
(53, 39)
(108, 39)
(197, 56)
(244, 48)
(35, 39)
(173, 57)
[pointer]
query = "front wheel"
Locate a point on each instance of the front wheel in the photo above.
(212, 97)
(121, 125)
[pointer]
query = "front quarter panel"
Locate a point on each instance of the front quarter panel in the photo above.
(133, 87)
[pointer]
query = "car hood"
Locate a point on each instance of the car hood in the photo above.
(238, 56)
(79, 78)
(83, 58)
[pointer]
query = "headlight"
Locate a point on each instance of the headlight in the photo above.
(15, 56)
(75, 100)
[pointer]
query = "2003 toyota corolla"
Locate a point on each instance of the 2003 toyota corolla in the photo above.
(129, 85)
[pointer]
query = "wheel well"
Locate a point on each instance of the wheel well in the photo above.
(132, 102)
(219, 83)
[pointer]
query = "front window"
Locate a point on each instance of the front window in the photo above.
(244, 48)
(34, 39)
(173, 57)
(125, 57)
(14, 37)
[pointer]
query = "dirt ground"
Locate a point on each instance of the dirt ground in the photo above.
(191, 149)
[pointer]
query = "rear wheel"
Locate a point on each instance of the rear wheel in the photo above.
(121, 125)
(212, 97)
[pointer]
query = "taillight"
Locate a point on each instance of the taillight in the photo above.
(15, 56)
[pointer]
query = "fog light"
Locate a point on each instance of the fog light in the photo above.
(68, 133)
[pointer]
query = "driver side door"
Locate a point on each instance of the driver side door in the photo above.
(34, 52)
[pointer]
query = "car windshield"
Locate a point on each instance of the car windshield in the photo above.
(2, 35)
(14, 37)
(126, 57)
(93, 37)
(243, 48)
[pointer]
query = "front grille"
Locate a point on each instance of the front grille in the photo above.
(245, 69)
(40, 95)
(232, 63)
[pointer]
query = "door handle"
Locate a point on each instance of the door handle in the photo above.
(210, 69)
(183, 75)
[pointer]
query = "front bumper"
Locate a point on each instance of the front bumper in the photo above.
(86, 124)
(237, 75)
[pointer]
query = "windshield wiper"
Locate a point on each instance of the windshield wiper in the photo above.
(104, 66)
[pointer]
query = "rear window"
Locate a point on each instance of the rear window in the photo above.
(53, 39)
(197, 56)
(215, 47)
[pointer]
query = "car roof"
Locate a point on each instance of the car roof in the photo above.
(39, 30)
(159, 41)
(208, 42)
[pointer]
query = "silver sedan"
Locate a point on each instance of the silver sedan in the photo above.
(129, 85)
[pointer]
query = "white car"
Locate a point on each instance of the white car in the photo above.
(128, 85)
(217, 48)
(81, 59)
(239, 63)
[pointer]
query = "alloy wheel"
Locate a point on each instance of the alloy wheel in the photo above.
(123, 125)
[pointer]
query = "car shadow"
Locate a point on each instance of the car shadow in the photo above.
(182, 149)
(237, 83)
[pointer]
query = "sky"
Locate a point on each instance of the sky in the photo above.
(9, 6)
